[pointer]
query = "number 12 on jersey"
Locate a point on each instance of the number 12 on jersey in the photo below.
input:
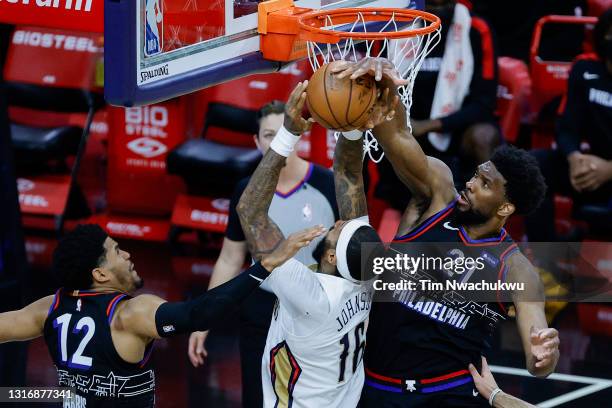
(86, 324)
(358, 349)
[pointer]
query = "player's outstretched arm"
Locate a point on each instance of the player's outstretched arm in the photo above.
(540, 343)
(26, 323)
(151, 317)
(262, 234)
(429, 179)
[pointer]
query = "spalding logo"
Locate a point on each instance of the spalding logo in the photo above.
(147, 147)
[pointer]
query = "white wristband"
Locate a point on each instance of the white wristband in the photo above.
(493, 395)
(353, 134)
(283, 142)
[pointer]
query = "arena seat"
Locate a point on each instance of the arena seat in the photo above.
(513, 93)
(199, 160)
(549, 77)
(242, 124)
(212, 168)
(201, 163)
(49, 191)
(53, 94)
(33, 145)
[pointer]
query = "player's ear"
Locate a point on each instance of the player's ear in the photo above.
(506, 209)
(256, 140)
(330, 256)
(101, 275)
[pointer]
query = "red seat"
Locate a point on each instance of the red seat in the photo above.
(52, 103)
(549, 78)
(513, 93)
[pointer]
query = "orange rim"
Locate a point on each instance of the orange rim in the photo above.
(310, 23)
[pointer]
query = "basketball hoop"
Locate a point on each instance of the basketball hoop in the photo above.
(403, 36)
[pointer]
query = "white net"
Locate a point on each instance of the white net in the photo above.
(407, 54)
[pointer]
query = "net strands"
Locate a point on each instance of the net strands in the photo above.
(407, 52)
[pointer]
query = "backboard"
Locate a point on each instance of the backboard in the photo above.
(159, 49)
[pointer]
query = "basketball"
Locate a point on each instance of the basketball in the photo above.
(340, 103)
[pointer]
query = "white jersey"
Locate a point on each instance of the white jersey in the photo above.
(315, 345)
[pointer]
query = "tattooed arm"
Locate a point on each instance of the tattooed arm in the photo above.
(348, 163)
(262, 234)
(348, 178)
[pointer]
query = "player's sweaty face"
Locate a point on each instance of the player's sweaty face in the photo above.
(485, 191)
(268, 127)
(119, 263)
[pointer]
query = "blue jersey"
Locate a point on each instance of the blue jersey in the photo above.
(424, 333)
(78, 334)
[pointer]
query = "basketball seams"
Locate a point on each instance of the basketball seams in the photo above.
(365, 110)
(327, 99)
(348, 105)
(338, 98)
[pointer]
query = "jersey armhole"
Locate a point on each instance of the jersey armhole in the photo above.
(110, 313)
(55, 302)
(427, 224)
(112, 305)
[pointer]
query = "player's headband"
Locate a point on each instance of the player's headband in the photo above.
(341, 250)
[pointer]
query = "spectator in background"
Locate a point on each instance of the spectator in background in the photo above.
(586, 117)
(303, 188)
(454, 98)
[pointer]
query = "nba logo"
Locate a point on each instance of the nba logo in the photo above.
(154, 27)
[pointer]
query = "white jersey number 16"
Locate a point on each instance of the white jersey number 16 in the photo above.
(358, 349)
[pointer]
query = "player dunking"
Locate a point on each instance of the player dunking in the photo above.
(314, 349)
(418, 350)
(100, 337)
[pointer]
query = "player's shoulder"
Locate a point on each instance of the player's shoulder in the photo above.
(41, 307)
(520, 268)
(136, 307)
